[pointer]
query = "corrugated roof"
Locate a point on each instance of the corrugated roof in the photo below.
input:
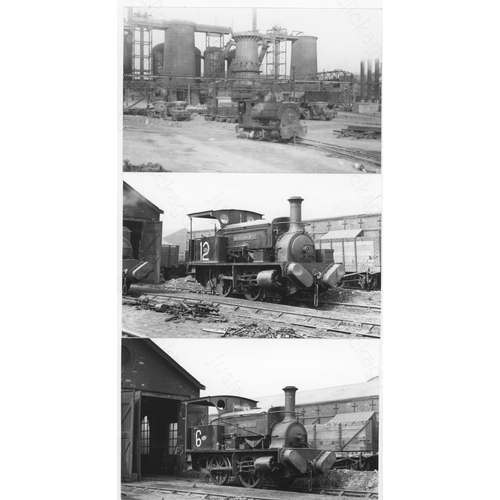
(340, 393)
(342, 234)
(360, 416)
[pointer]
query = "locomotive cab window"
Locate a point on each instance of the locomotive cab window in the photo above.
(221, 404)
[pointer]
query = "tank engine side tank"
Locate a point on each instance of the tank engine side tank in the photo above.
(251, 444)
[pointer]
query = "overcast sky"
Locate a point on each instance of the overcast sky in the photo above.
(253, 368)
(325, 195)
(348, 32)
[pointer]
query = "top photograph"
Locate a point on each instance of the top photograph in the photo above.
(247, 90)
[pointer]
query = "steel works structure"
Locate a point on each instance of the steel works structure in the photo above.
(241, 65)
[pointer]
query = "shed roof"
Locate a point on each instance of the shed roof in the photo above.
(342, 234)
(142, 197)
(166, 357)
(327, 394)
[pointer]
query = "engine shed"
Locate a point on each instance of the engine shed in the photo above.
(153, 387)
(141, 218)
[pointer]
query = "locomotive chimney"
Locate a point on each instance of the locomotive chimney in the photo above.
(289, 391)
(295, 213)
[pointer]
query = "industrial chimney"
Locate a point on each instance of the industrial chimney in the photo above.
(295, 213)
(289, 391)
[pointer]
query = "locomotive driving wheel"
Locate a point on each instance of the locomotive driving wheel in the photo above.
(249, 478)
(224, 285)
(219, 477)
(254, 293)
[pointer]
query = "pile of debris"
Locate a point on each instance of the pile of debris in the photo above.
(143, 167)
(259, 331)
(180, 311)
(186, 283)
(195, 311)
(360, 132)
(348, 480)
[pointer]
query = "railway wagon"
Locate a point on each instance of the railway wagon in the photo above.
(170, 266)
(250, 444)
(133, 270)
(223, 113)
(255, 258)
(270, 120)
(353, 437)
(361, 256)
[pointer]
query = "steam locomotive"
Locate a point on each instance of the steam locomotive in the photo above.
(270, 120)
(249, 443)
(253, 257)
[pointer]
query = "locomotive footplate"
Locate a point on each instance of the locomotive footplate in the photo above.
(297, 460)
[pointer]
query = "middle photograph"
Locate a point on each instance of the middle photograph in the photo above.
(251, 256)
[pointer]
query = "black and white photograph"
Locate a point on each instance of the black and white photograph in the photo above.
(252, 89)
(242, 424)
(231, 256)
(251, 251)
(219, 280)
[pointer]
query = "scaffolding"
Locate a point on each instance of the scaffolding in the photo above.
(276, 56)
(142, 48)
(215, 40)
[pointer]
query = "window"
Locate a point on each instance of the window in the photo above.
(145, 436)
(172, 438)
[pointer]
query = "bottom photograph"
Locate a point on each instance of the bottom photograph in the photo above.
(284, 419)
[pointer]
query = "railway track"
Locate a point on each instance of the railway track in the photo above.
(247, 495)
(190, 492)
(310, 320)
(373, 157)
(291, 300)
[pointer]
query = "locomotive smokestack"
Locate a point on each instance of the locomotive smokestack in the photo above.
(289, 391)
(295, 213)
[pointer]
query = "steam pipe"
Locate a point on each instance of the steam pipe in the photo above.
(264, 45)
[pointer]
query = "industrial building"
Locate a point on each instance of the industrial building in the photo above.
(233, 64)
(142, 228)
(153, 386)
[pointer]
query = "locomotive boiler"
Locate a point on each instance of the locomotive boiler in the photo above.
(250, 444)
(254, 257)
(270, 120)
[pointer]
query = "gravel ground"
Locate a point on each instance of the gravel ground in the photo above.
(198, 145)
(334, 479)
(335, 295)
(345, 480)
(153, 324)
